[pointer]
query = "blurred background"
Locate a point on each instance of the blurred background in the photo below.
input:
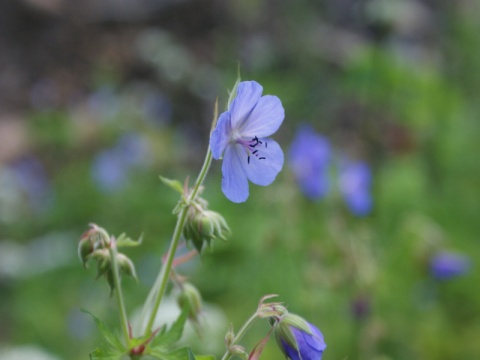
(370, 231)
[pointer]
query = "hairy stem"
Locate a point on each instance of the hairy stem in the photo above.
(162, 279)
(118, 291)
(228, 354)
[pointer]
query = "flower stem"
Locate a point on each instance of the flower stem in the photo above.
(228, 354)
(118, 291)
(162, 279)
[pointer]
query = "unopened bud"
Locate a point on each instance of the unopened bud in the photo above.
(202, 226)
(229, 336)
(239, 351)
(126, 266)
(85, 248)
(191, 297)
(299, 339)
(102, 257)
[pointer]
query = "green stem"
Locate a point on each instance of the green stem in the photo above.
(239, 335)
(162, 280)
(119, 294)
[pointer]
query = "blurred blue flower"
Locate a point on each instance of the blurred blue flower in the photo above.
(355, 180)
(309, 346)
(157, 109)
(111, 167)
(446, 265)
(105, 103)
(109, 171)
(32, 178)
(241, 138)
(134, 149)
(309, 160)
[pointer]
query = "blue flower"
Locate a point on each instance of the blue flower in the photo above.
(31, 177)
(241, 137)
(355, 181)
(446, 265)
(309, 160)
(111, 167)
(309, 346)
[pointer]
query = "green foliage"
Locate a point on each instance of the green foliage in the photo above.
(124, 241)
(112, 347)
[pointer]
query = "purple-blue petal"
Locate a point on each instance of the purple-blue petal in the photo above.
(248, 94)
(309, 159)
(359, 203)
(220, 135)
(263, 166)
(265, 118)
(355, 181)
(310, 346)
(234, 179)
(446, 265)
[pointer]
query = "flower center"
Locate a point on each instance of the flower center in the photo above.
(253, 147)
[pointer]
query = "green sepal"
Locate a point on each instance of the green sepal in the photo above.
(124, 241)
(173, 184)
(112, 347)
(297, 322)
(233, 93)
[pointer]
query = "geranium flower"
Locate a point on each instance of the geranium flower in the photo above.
(309, 161)
(241, 137)
(446, 265)
(355, 182)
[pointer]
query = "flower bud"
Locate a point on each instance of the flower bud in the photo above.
(239, 351)
(202, 226)
(190, 296)
(126, 266)
(298, 339)
(85, 247)
(229, 336)
(102, 256)
(93, 238)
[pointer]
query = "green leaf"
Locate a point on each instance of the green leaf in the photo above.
(175, 332)
(174, 184)
(124, 241)
(187, 354)
(160, 346)
(113, 347)
(106, 354)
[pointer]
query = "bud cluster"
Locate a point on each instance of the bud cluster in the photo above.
(203, 225)
(96, 244)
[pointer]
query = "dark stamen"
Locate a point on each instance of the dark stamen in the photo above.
(265, 144)
(261, 158)
(248, 159)
(255, 152)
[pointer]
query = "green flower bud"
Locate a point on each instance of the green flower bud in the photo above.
(94, 238)
(229, 336)
(85, 247)
(126, 266)
(102, 256)
(191, 297)
(202, 226)
(239, 351)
